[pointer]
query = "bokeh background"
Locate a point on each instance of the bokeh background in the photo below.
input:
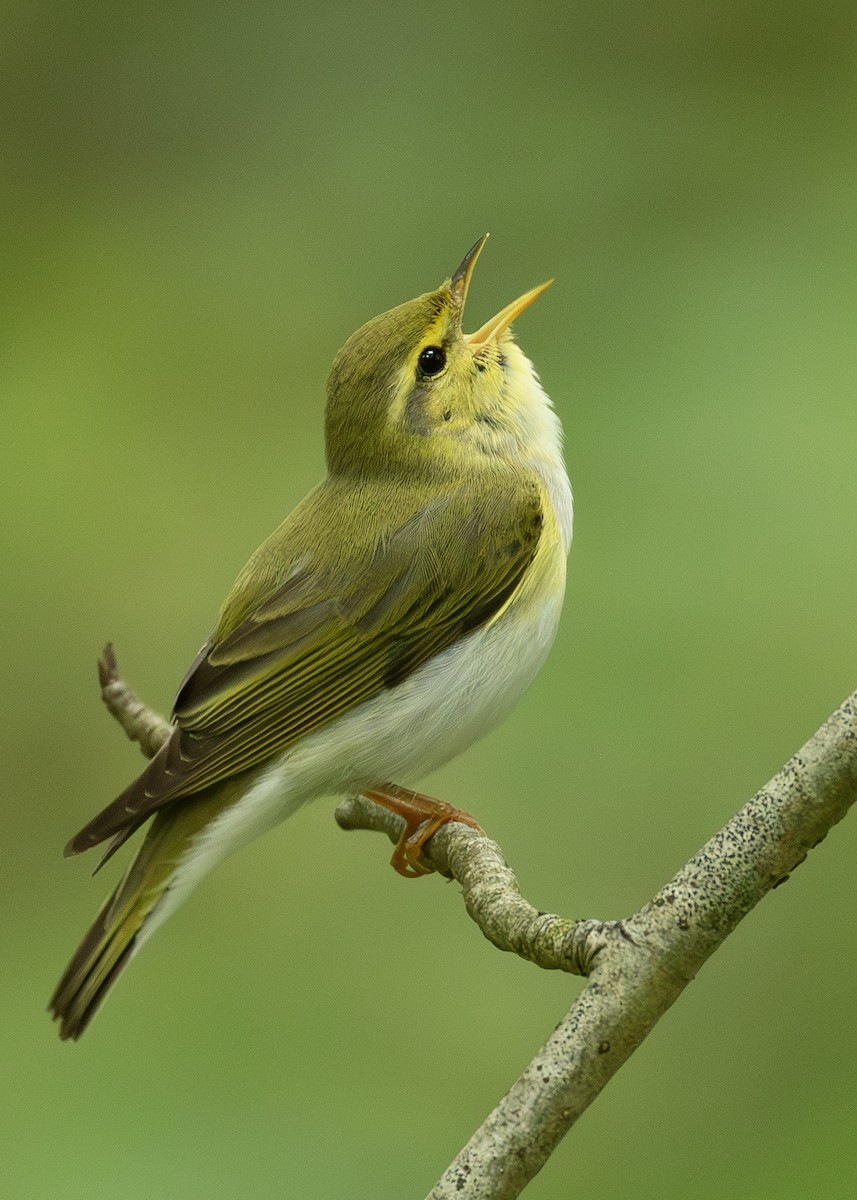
(201, 202)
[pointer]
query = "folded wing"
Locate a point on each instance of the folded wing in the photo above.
(329, 636)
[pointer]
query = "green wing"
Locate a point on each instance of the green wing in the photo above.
(302, 638)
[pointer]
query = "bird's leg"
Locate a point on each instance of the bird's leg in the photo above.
(423, 816)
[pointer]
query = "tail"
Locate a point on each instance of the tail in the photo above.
(127, 916)
(97, 962)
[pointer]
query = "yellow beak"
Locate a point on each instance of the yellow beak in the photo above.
(492, 329)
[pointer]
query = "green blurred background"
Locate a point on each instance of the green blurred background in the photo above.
(201, 202)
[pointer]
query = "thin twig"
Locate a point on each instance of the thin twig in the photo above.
(141, 723)
(490, 891)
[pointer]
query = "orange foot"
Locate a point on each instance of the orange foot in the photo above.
(423, 817)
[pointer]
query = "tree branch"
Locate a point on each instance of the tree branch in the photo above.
(637, 967)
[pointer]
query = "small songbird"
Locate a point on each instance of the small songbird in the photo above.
(394, 617)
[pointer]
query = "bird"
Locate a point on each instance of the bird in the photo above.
(394, 617)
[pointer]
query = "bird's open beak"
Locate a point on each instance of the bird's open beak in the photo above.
(491, 330)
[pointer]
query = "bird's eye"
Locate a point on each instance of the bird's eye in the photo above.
(431, 360)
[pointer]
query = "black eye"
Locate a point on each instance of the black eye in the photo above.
(431, 360)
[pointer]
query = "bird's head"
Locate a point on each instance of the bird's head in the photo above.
(410, 393)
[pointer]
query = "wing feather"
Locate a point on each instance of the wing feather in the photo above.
(329, 638)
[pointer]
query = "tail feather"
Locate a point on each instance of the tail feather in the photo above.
(95, 965)
(115, 933)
